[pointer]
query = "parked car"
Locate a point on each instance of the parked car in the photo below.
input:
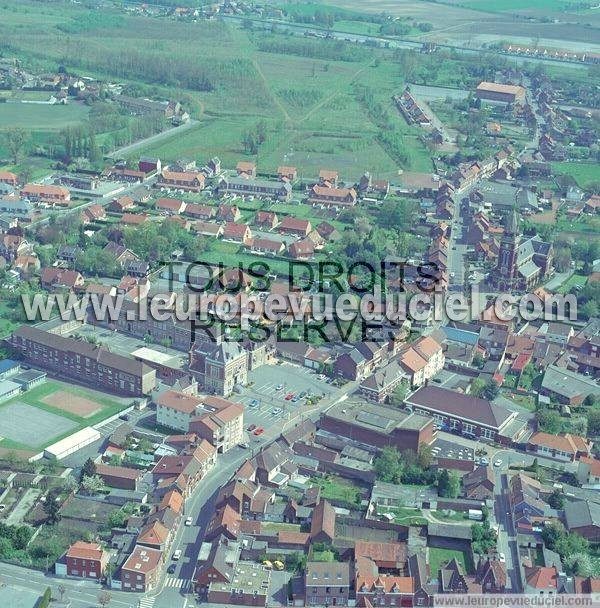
(253, 403)
(289, 396)
(279, 387)
(259, 431)
(295, 398)
(176, 555)
(188, 521)
(302, 395)
(251, 428)
(171, 569)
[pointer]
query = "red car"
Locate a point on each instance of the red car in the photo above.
(289, 396)
(259, 431)
(251, 427)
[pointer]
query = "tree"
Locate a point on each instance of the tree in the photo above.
(579, 564)
(52, 506)
(104, 599)
(491, 390)
(389, 465)
(478, 361)
(399, 394)
(448, 484)
(483, 538)
(557, 499)
(16, 139)
(425, 456)
(88, 469)
(93, 484)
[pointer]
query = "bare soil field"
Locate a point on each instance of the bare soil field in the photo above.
(74, 404)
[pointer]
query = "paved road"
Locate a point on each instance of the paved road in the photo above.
(153, 139)
(507, 538)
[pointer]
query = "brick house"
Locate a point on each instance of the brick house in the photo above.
(246, 168)
(561, 447)
(288, 173)
(327, 583)
(228, 213)
(239, 233)
(123, 478)
(6, 177)
(266, 220)
(295, 226)
(322, 527)
(141, 571)
(86, 560)
(171, 205)
(200, 212)
(53, 279)
(121, 204)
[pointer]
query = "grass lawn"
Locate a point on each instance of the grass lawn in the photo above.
(583, 173)
(336, 488)
(526, 401)
(438, 557)
(405, 515)
(575, 279)
(445, 516)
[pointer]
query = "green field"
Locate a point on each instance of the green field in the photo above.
(502, 6)
(583, 173)
(40, 117)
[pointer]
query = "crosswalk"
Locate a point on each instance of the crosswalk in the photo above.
(146, 602)
(173, 582)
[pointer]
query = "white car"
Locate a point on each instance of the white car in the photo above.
(176, 555)
(188, 521)
(502, 557)
(497, 463)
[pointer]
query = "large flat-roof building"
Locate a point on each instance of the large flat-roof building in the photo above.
(471, 416)
(378, 426)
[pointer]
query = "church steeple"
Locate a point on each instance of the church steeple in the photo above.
(511, 225)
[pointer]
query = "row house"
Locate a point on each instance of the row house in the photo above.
(238, 233)
(93, 213)
(332, 197)
(84, 362)
(191, 182)
(222, 425)
(327, 584)
(125, 175)
(566, 447)
(422, 360)
(380, 386)
(47, 193)
(121, 204)
(241, 186)
(287, 173)
(7, 177)
(228, 213)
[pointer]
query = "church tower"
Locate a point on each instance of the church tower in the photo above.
(507, 277)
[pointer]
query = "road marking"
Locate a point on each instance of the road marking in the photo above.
(177, 583)
(147, 602)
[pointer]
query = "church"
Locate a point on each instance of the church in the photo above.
(522, 263)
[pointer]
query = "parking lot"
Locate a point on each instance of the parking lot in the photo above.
(265, 399)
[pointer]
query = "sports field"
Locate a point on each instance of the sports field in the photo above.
(52, 411)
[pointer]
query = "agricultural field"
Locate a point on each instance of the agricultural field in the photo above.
(52, 411)
(40, 117)
(304, 91)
